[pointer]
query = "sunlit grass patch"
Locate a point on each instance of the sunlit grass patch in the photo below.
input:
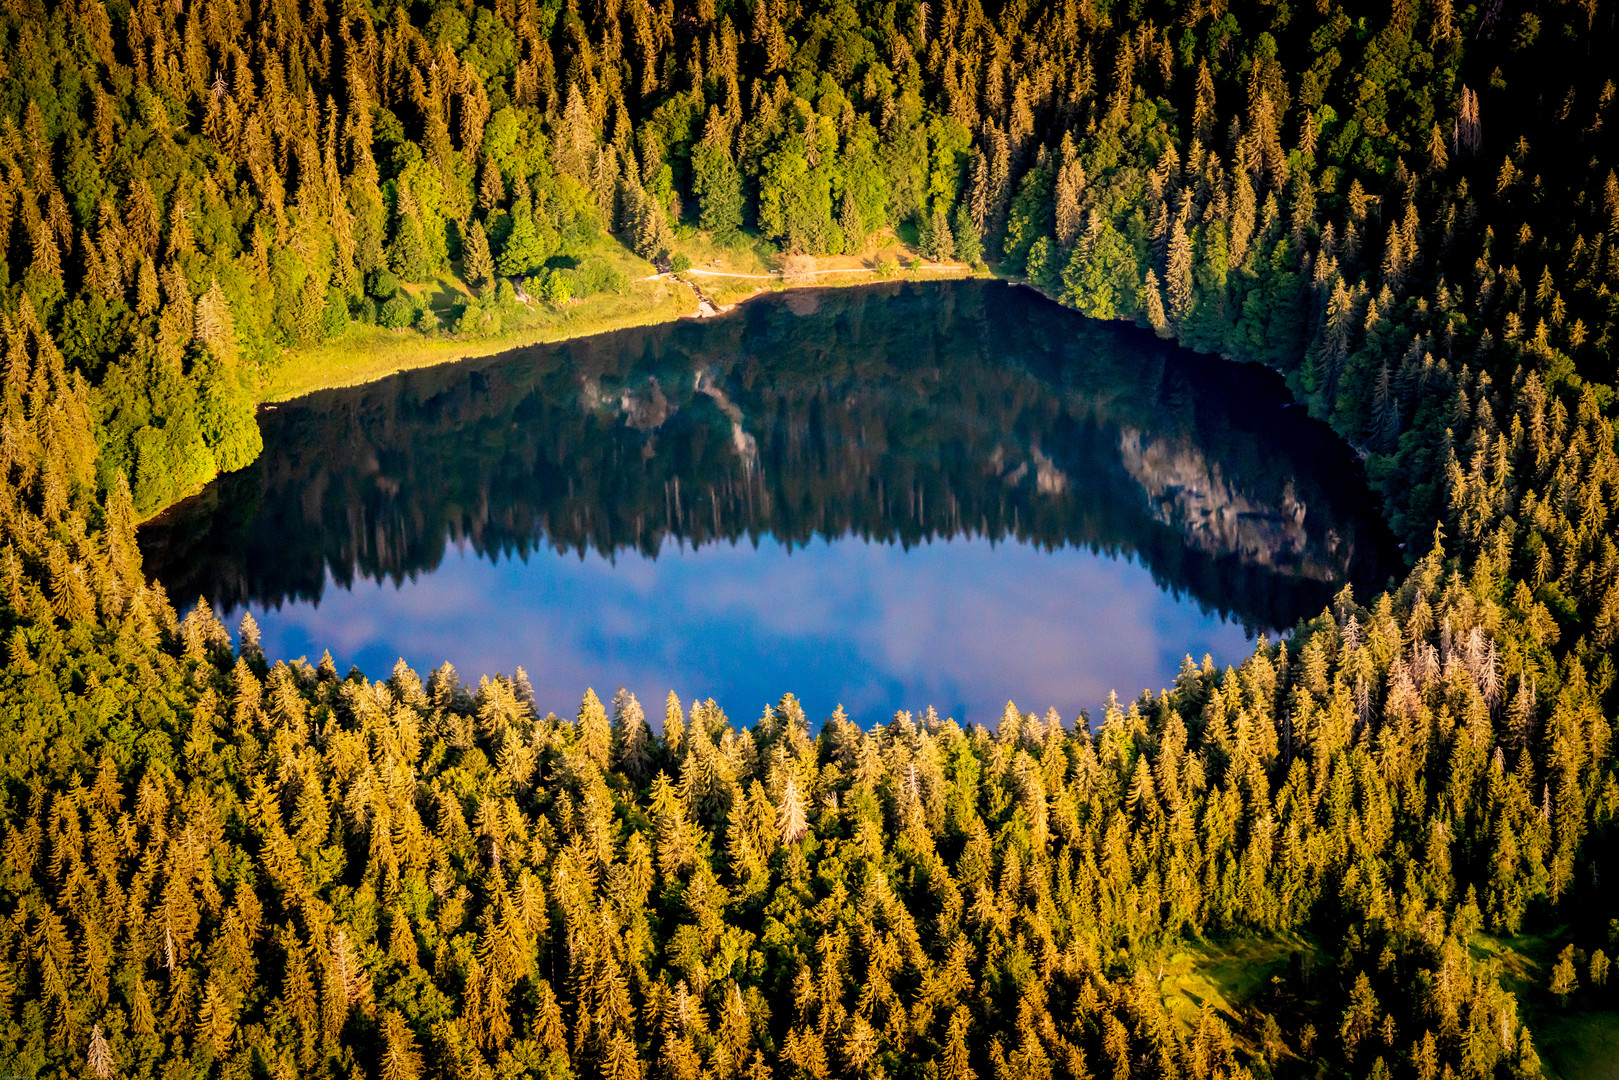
(745, 254)
(364, 352)
(1227, 975)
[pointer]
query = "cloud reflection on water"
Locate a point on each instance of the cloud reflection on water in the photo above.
(962, 625)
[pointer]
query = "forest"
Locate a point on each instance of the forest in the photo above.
(215, 862)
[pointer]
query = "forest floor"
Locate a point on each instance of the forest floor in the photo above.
(1574, 1043)
(726, 274)
(1578, 1044)
(1237, 977)
(1242, 977)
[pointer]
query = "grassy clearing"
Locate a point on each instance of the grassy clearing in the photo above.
(749, 255)
(1236, 976)
(1226, 975)
(1575, 1041)
(1245, 978)
(1578, 1045)
(1524, 960)
(727, 291)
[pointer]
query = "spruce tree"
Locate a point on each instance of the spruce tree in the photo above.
(1070, 187)
(213, 327)
(653, 237)
(407, 253)
(718, 186)
(674, 728)
(937, 244)
(1155, 306)
(400, 1059)
(491, 187)
(632, 737)
(1564, 979)
(1178, 276)
(969, 245)
(99, 1059)
(594, 733)
(849, 220)
(576, 139)
(523, 252)
(477, 263)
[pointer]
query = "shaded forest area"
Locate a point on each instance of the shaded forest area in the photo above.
(218, 863)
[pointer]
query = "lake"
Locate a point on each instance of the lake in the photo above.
(951, 494)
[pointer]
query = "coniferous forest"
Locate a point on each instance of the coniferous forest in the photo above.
(215, 862)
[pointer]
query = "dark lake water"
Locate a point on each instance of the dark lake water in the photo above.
(951, 494)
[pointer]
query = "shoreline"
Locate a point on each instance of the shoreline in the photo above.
(377, 353)
(376, 363)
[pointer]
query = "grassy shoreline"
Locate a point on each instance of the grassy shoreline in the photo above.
(368, 353)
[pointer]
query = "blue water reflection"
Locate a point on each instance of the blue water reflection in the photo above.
(960, 624)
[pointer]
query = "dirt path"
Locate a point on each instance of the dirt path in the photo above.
(775, 274)
(814, 273)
